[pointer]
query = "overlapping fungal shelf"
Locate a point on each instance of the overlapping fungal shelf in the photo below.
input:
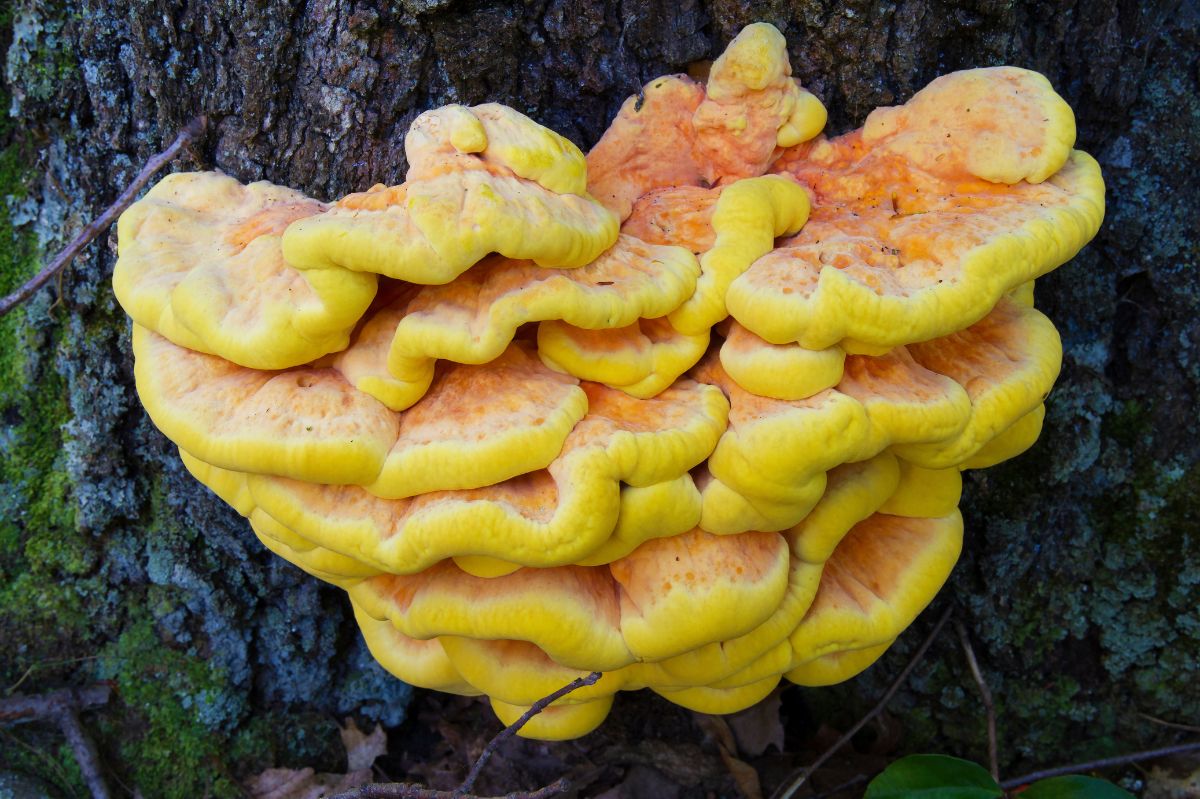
(691, 411)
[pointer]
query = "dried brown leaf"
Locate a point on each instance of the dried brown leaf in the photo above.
(742, 772)
(286, 783)
(362, 748)
(759, 726)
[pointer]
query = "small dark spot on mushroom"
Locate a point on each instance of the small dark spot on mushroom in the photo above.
(604, 283)
(641, 100)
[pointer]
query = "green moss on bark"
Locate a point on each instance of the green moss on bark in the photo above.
(160, 739)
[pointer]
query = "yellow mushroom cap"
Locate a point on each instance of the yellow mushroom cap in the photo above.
(473, 319)
(1007, 364)
(837, 667)
(669, 596)
(752, 105)
(422, 663)
(779, 371)
(324, 564)
(1002, 124)
(365, 362)
(1011, 442)
(493, 138)
(747, 218)
(476, 426)
(900, 249)
(484, 180)
(768, 467)
(200, 263)
(911, 260)
(924, 492)
(880, 577)
(726, 675)
(620, 480)
(641, 359)
(558, 722)
(675, 133)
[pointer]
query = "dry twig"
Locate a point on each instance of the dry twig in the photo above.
(854, 781)
(62, 708)
(101, 223)
(511, 730)
(25, 675)
(788, 789)
(985, 693)
(1172, 724)
(406, 790)
(1095, 765)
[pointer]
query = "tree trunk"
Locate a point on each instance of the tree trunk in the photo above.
(1080, 580)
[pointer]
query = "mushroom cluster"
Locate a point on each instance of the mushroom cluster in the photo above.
(691, 411)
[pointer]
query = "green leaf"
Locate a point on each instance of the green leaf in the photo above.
(1074, 787)
(933, 777)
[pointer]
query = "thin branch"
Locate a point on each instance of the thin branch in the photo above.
(404, 790)
(407, 790)
(845, 786)
(101, 223)
(986, 694)
(62, 707)
(1172, 724)
(42, 664)
(789, 789)
(1095, 765)
(86, 754)
(511, 730)
(20, 708)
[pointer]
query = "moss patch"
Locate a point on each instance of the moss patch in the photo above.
(161, 742)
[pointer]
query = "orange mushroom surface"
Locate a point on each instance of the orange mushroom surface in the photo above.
(922, 221)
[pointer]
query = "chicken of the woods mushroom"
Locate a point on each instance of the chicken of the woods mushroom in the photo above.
(690, 410)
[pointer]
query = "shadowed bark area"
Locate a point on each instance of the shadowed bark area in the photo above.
(1081, 576)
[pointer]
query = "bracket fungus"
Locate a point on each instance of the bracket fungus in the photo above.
(691, 410)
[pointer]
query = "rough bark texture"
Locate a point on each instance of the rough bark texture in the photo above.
(1081, 577)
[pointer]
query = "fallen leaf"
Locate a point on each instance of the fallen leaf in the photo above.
(743, 773)
(305, 783)
(361, 748)
(286, 783)
(758, 726)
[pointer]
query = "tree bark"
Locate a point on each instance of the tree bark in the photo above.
(1080, 581)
